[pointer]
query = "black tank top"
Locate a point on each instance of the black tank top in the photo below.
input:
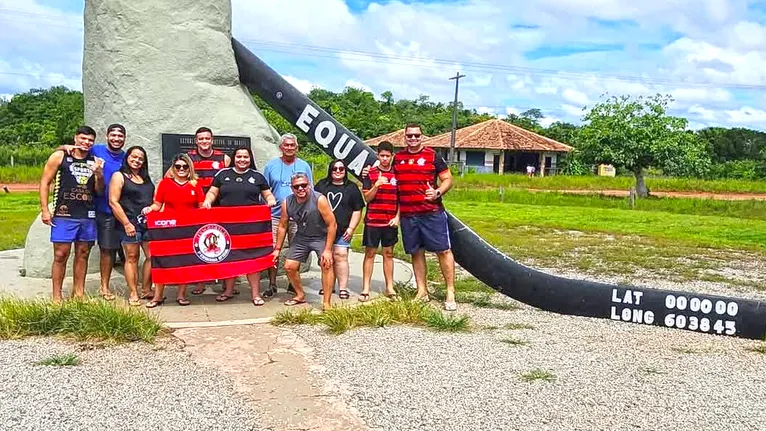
(74, 188)
(134, 197)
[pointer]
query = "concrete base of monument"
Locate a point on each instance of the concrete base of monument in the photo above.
(204, 309)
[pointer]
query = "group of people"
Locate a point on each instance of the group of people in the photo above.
(103, 193)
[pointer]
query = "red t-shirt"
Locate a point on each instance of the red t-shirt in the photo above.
(207, 167)
(178, 197)
(383, 207)
(414, 172)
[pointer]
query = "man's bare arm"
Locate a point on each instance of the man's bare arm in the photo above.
(49, 173)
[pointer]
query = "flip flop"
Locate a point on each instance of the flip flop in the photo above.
(152, 304)
(364, 297)
(107, 296)
(134, 302)
(450, 306)
(343, 294)
(223, 298)
(258, 301)
(294, 301)
(198, 291)
(183, 301)
(149, 295)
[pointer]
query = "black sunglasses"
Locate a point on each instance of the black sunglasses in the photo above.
(338, 168)
(180, 167)
(300, 186)
(413, 135)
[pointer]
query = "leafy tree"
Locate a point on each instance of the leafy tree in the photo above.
(41, 117)
(637, 133)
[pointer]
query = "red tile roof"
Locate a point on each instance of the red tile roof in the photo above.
(497, 134)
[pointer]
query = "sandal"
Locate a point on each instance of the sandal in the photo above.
(364, 297)
(343, 294)
(153, 303)
(269, 291)
(147, 295)
(134, 302)
(393, 296)
(223, 298)
(183, 301)
(258, 301)
(450, 306)
(294, 301)
(107, 296)
(198, 290)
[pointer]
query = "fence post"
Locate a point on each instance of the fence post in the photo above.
(502, 191)
(11, 160)
(632, 197)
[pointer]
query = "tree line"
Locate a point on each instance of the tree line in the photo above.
(633, 133)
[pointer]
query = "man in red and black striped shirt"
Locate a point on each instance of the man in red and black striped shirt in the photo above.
(423, 218)
(382, 219)
(207, 161)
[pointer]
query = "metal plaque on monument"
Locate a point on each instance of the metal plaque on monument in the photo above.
(174, 143)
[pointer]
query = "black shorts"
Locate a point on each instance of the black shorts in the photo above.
(109, 236)
(380, 236)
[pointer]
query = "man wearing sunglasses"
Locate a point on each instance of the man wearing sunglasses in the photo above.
(422, 215)
(279, 173)
(313, 215)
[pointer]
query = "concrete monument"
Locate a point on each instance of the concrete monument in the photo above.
(159, 66)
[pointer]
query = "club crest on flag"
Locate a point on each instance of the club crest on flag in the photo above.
(212, 243)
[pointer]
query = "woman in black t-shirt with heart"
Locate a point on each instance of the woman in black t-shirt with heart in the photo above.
(240, 185)
(347, 203)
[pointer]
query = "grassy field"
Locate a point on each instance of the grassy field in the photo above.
(675, 239)
(17, 211)
(20, 174)
(563, 182)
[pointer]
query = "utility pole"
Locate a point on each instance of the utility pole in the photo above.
(454, 119)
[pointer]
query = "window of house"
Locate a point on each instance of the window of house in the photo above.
(474, 158)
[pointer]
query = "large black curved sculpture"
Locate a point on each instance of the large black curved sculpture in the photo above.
(701, 313)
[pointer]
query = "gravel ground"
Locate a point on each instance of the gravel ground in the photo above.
(129, 387)
(606, 375)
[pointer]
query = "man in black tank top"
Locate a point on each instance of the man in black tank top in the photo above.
(78, 177)
(316, 232)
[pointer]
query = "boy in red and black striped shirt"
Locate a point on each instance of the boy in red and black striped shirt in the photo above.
(423, 218)
(382, 219)
(207, 161)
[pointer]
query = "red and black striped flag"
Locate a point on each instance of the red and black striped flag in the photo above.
(208, 244)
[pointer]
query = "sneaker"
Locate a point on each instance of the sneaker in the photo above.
(269, 291)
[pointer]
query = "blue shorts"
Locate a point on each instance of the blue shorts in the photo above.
(68, 230)
(340, 242)
(429, 231)
(138, 238)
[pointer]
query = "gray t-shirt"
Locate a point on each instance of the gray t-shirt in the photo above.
(307, 217)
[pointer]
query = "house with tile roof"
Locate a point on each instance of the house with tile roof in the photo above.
(492, 146)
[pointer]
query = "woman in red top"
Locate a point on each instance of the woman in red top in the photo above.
(177, 192)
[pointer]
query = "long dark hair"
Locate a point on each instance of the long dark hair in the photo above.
(328, 179)
(143, 171)
(249, 152)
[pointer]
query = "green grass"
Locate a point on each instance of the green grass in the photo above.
(517, 326)
(704, 231)
(377, 313)
(592, 182)
(538, 374)
(20, 174)
(751, 209)
(67, 359)
(17, 212)
(81, 320)
(514, 341)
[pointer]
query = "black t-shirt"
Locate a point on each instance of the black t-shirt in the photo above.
(235, 189)
(344, 200)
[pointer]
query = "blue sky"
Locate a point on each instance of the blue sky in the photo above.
(556, 55)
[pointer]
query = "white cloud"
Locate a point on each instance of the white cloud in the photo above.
(301, 85)
(572, 110)
(575, 97)
(703, 113)
(356, 84)
(747, 115)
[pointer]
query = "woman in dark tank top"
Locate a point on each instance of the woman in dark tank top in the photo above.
(131, 191)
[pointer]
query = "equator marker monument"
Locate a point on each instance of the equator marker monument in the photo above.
(169, 66)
